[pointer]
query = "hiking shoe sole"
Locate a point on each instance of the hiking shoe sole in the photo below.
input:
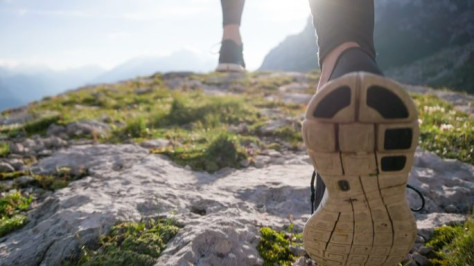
(226, 67)
(361, 132)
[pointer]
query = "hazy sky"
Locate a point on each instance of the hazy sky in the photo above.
(70, 33)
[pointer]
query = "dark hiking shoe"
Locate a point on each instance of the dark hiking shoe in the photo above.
(231, 57)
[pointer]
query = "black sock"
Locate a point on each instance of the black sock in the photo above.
(354, 60)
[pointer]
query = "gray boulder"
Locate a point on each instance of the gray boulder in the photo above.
(221, 212)
(87, 127)
(6, 167)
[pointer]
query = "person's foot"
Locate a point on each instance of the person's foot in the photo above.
(231, 57)
(361, 132)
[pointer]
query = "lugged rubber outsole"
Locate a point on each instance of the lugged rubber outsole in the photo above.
(361, 132)
(227, 67)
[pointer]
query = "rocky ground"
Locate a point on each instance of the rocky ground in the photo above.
(83, 181)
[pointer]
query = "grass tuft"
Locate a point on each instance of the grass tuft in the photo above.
(11, 207)
(274, 248)
(59, 180)
(130, 243)
(207, 111)
(453, 245)
(4, 149)
(136, 128)
(222, 150)
(444, 130)
(40, 125)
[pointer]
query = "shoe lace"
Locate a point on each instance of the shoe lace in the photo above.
(421, 197)
(318, 192)
(313, 191)
(316, 197)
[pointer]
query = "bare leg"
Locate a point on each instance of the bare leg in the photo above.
(232, 32)
(231, 53)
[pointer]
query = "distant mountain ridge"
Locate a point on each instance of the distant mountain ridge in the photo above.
(286, 57)
(21, 85)
(183, 60)
(407, 33)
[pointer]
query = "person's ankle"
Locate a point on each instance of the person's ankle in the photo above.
(329, 62)
(232, 32)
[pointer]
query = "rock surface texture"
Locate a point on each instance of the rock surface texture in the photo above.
(221, 213)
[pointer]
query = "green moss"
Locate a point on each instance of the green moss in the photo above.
(4, 149)
(10, 224)
(207, 111)
(136, 128)
(444, 130)
(212, 152)
(11, 207)
(12, 175)
(130, 243)
(40, 125)
(59, 180)
(274, 248)
(290, 134)
(192, 120)
(453, 245)
(272, 83)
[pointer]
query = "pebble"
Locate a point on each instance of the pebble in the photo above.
(451, 209)
(155, 143)
(425, 250)
(17, 164)
(245, 163)
(17, 148)
(297, 250)
(6, 168)
(24, 180)
(420, 259)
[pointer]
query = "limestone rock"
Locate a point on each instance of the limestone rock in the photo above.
(6, 168)
(294, 87)
(16, 163)
(296, 98)
(54, 142)
(420, 259)
(425, 250)
(155, 143)
(87, 127)
(273, 125)
(142, 91)
(145, 183)
(24, 180)
(55, 130)
(17, 148)
(443, 182)
(221, 212)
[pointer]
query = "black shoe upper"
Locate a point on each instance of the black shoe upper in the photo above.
(354, 60)
(231, 53)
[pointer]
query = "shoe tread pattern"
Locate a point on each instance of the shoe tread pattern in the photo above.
(364, 159)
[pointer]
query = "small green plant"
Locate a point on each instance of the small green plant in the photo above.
(12, 175)
(453, 245)
(224, 151)
(271, 82)
(58, 180)
(220, 149)
(40, 125)
(207, 111)
(130, 243)
(136, 128)
(11, 207)
(274, 247)
(4, 149)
